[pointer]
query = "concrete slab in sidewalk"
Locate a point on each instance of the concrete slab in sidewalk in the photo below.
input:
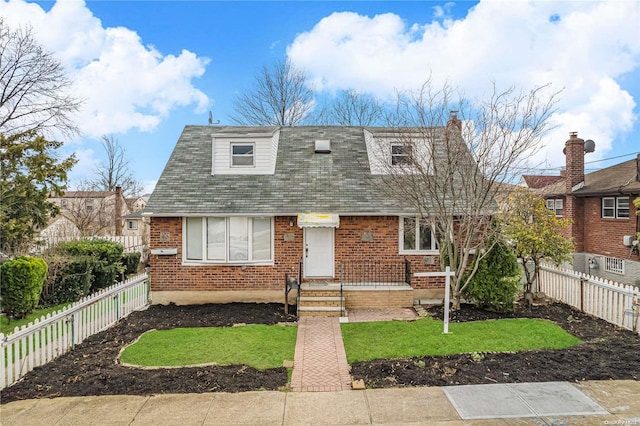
(621, 397)
(174, 409)
(112, 409)
(409, 405)
(513, 400)
(246, 408)
(36, 412)
(326, 408)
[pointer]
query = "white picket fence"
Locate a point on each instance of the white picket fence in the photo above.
(616, 303)
(46, 338)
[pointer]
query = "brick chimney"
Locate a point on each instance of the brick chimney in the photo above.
(574, 151)
(574, 206)
(454, 120)
(118, 211)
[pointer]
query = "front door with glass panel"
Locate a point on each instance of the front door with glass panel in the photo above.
(318, 252)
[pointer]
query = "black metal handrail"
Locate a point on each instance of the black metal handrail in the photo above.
(374, 273)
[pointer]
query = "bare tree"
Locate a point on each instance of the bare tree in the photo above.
(116, 171)
(92, 212)
(33, 86)
(451, 167)
(351, 108)
(280, 97)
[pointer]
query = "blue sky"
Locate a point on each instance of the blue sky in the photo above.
(147, 68)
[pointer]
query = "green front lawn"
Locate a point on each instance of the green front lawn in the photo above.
(7, 327)
(258, 346)
(399, 339)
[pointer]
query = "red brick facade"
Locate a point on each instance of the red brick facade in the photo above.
(604, 236)
(168, 273)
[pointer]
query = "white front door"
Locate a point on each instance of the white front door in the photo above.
(318, 252)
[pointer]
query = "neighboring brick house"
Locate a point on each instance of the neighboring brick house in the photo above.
(600, 205)
(237, 208)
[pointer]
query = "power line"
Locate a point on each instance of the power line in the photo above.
(612, 158)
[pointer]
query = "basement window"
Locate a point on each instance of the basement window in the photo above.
(614, 265)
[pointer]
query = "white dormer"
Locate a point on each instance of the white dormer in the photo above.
(244, 153)
(393, 151)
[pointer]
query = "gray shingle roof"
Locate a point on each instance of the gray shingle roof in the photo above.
(621, 178)
(304, 181)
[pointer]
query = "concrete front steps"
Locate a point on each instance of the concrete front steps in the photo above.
(320, 300)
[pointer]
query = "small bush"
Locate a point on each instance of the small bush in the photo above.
(21, 281)
(130, 261)
(496, 283)
(68, 280)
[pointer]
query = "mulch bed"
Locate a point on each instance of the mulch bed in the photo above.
(91, 368)
(608, 352)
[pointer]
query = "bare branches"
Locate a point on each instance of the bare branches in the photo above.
(92, 212)
(116, 171)
(351, 108)
(280, 97)
(465, 154)
(33, 86)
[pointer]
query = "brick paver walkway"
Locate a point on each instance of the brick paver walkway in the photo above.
(320, 362)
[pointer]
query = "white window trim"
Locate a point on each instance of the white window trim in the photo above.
(204, 261)
(402, 250)
(231, 155)
(554, 202)
(404, 155)
(628, 199)
(615, 207)
(129, 222)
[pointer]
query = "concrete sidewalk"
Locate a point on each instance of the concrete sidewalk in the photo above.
(403, 406)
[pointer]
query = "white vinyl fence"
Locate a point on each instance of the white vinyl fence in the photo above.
(616, 303)
(46, 338)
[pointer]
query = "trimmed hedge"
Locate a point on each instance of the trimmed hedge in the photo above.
(130, 261)
(21, 281)
(107, 254)
(104, 250)
(68, 280)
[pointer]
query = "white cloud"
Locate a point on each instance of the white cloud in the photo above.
(581, 47)
(85, 169)
(125, 84)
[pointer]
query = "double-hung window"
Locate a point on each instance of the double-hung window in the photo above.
(556, 206)
(401, 154)
(229, 239)
(615, 207)
(416, 236)
(242, 155)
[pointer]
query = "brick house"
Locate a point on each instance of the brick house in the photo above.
(238, 208)
(600, 204)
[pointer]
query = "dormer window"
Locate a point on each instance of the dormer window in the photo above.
(242, 155)
(401, 154)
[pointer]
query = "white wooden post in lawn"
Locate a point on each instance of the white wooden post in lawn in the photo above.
(447, 274)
